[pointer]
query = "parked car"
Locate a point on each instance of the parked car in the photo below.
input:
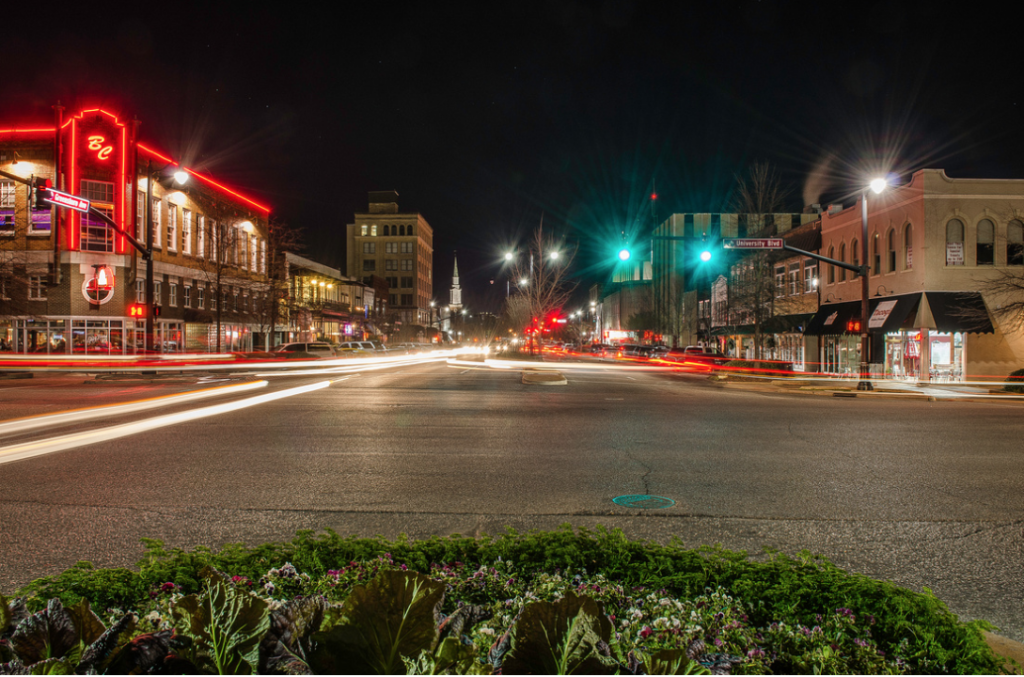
(308, 349)
(364, 346)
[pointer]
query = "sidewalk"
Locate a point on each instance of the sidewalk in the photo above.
(883, 388)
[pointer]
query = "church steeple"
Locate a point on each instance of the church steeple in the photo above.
(456, 291)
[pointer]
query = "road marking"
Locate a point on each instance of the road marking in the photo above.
(18, 452)
(615, 399)
(464, 372)
(85, 414)
(631, 378)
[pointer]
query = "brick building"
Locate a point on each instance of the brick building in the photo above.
(398, 247)
(71, 284)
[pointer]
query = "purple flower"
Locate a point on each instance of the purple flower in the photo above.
(718, 641)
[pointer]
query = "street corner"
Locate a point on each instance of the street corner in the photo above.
(543, 378)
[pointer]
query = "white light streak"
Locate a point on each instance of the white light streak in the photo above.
(19, 452)
(74, 415)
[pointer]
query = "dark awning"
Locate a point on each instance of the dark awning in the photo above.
(939, 311)
(952, 311)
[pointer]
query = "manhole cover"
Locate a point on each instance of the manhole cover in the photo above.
(644, 501)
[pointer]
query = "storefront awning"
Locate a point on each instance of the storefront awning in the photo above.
(938, 311)
(952, 311)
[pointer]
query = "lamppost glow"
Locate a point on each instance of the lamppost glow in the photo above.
(181, 177)
(705, 256)
(554, 255)
(509, 256)
(878, 185)
(624, 254)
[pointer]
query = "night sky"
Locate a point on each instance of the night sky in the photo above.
(485, 115)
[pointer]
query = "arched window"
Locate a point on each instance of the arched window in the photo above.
(986, 243)
(855, 253)
(908, 246)
(877, 267)
(831, 268)
(411, 231)
(891, 251)
(842, 257)
(954, 242)
(401, 230)
(387, 230)
(1015, 243)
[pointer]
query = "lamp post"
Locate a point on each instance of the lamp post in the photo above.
(876, 185)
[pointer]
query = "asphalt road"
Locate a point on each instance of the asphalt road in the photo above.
(927, 494)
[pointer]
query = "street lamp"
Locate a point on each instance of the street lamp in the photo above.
(877, 186)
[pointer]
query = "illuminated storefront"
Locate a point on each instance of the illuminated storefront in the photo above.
(70, 283)
(910, 333)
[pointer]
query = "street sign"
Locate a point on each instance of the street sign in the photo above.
(753, 243)
(66, 200)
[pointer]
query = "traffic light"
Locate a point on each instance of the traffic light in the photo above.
(40, 191)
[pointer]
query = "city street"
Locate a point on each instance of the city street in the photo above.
(927, 494)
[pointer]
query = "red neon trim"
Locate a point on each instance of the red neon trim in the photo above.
(73, 188)
(206, 179)
(122, 243)
(27, 131)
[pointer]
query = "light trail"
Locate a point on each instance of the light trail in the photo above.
(19, 452)
(85, 414)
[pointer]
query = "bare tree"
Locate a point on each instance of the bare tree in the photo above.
(759, 194)
(545, 270)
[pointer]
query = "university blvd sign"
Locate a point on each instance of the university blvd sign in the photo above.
(66, 200)
(753, 243)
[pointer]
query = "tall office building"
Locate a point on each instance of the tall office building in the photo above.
(398, 246)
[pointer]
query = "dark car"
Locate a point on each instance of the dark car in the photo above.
(309, 349)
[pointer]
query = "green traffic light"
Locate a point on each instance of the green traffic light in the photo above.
(624, 255)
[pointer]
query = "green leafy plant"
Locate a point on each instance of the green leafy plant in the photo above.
(561, 638)
(225, 625)
(393, 618)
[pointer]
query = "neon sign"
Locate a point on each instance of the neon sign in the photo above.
(96, 142)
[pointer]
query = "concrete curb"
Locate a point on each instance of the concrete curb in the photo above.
(544, 378)
(792, 389)
(1005, 648)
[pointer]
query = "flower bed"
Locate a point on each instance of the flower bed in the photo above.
(591, 602)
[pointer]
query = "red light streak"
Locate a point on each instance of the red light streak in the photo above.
(206, 179)
(28, 131)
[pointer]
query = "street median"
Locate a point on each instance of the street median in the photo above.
(543, 377)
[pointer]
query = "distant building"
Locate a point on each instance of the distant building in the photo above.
(682, 283)
(325, 305)
(398, 246)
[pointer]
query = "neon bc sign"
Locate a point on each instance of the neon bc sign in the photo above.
(97, 144)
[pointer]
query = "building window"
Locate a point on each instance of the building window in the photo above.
(157, 292)
(891, 250)
(370, 247)
(406, 299)
(364, 229)
(955, 242)
(986, 243)
(96, 236)
(401, 230)
(810, 275)
(173, 295)
(140, 216)
(156, 222)
(188, 296)
(407, 264)
(392, 299)
(1015, 243)
(36, 288)
(407, 283)
(243, 248)
(407, 247)
(373, 231)
(842, 257)
(369, 265)
(172, 227)
(780, 281)
(140, 291)
(186, 232)
(7, 191)
(411, 231)
(831, 268)
(877, 270)
(390, 247)
(794, 279)
(202, 298)
(391, 264)
(263, 256)
(908, 246)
